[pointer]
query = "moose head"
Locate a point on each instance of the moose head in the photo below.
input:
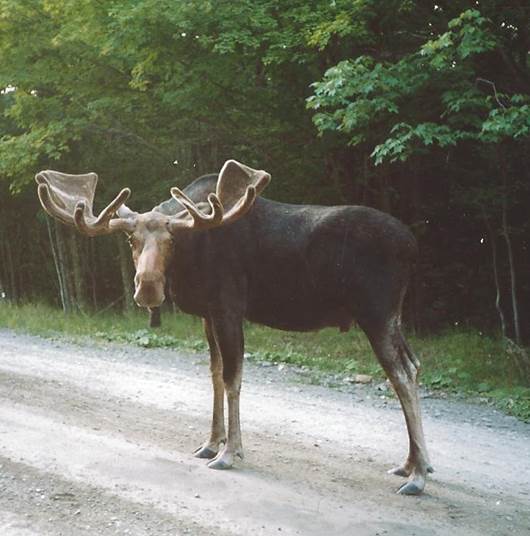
(69, 198)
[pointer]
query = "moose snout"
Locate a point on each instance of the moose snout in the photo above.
(149, 289)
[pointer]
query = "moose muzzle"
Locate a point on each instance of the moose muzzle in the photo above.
(149, 289)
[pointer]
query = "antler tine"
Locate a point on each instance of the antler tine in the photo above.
(180, 196)
(99, 225)
(200, 220)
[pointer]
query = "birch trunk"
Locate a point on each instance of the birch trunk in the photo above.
(62, 263)
(493, 243)
(62, 293)
(126, 273)
(513, 283)
(77, 271)
(11, 274)
(506, 234)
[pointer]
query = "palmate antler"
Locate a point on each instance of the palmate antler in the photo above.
(237, 188)
(70, 198)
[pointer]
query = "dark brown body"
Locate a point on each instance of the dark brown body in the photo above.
(295, 267)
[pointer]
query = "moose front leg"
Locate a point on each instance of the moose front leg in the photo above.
(217, 434)
(228, 333)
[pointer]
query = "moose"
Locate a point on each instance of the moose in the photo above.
(228, 254)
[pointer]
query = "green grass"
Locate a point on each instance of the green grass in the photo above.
(456, 361)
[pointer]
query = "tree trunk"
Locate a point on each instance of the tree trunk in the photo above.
(413, 208)
(502, 162)
(493, 243)
(4, 268)
(126, 273)
(513, 284)
(62, 261)
(58, 270)
(11, 279)
(92, 269)
(77, 271)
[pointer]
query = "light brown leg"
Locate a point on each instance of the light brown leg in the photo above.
(229, 336)
(402, 368)
(233, 448)
(217, 435)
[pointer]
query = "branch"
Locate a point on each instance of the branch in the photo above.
(492, 84)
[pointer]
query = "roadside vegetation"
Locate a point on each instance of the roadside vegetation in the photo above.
(461, 362)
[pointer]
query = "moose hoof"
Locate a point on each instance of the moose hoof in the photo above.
(205, 452)
(225, 459)
(220, 464)
(412, 487)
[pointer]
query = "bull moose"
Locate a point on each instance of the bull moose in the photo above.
(229, 255)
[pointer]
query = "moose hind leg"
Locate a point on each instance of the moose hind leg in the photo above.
(217, 434)
(402, 367)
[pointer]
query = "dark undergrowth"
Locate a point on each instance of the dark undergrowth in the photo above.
(465, 362)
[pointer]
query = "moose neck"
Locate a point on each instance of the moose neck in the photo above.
(190, 271)
(208, 265)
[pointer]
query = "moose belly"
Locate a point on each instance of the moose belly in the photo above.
(295, 313)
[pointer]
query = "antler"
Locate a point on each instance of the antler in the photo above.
(70, 198)
(237, 188)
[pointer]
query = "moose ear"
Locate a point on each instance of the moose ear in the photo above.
(234, 180)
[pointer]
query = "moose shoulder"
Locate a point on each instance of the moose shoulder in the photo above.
(228, 255)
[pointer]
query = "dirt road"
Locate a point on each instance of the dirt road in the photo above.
(96, 440)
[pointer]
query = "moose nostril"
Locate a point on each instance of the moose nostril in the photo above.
(148, 295)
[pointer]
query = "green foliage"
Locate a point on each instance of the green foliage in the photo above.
(466, 360)
(359, 96)
(514, 401)
(512, 121)
(154, 82)
(342, 19)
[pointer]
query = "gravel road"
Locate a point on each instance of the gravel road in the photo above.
(97, 440)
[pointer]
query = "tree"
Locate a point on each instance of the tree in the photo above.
(439, 100)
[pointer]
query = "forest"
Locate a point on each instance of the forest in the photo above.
(420, 109)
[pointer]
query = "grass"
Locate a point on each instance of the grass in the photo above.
(453, 362)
